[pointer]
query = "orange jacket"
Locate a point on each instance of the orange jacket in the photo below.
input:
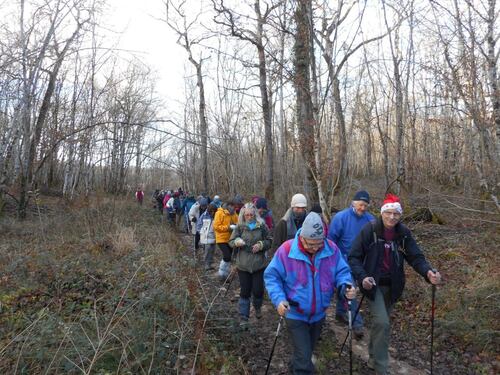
(222, 220)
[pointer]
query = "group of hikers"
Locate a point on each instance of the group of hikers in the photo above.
(303, 261)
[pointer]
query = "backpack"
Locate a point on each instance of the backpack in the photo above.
(176, 205)
(207, 235)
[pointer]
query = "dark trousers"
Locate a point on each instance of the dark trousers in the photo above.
(197, 240)
(227, 251)
(304, 337)
(251, 283)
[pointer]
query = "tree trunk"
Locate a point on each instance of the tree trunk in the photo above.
(305, 112)
(266, 108)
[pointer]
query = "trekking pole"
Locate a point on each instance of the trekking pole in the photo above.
(274, 344)
(433, 309)
(349, 314)
(355, 316)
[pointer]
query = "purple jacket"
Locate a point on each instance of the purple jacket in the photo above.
(308, 287)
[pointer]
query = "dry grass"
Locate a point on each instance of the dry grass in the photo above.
(96, 288)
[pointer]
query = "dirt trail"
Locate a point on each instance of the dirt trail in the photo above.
(360, 350)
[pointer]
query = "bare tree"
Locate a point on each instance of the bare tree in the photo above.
(188, 42)
(229, 19)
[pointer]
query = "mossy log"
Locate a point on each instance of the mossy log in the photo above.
(424, 215)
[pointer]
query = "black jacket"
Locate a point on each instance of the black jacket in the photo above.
(367, 251)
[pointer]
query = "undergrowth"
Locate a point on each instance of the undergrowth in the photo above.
(103, 286)
(100, 288)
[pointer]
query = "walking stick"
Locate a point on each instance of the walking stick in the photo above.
(349, 314)
(433, 309)
(355, 316)
(274, 344)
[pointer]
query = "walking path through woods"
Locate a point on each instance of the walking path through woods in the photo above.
(253, 345)
(106, 271)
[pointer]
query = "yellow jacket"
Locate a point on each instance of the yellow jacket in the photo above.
(222, 220)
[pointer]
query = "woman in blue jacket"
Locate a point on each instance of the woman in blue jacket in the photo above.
(301, 280)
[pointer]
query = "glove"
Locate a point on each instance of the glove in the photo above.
(193, 220)
(283, 308)
(232, 226)
(239, 242)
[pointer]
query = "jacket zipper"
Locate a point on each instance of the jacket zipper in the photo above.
(313, 307)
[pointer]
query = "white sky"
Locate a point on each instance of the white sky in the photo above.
(150, 40)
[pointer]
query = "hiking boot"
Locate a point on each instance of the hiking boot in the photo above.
(371, 364)
(341, 319)
(358, 332)
(244, 324)
(314, 360)
(258, 313)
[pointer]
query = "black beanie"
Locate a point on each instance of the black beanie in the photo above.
(362, 195)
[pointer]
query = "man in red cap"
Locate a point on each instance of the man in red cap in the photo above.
(376, 261)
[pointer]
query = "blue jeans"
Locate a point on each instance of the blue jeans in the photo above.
(304, 337)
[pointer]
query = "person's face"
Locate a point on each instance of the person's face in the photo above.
(360, 207)
(299, 211)
(390, 218)
(311, 246)
(262, 212)
(249, 215)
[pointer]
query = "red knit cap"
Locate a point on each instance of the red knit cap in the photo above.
(391, 201)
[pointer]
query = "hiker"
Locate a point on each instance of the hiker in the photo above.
(216, 201)
(173, 205)
(166, 198)
(250, 240)
(205, 227)
(159, 201)
(177, 206)
(291, 222)
(238, 203)
(186, 206)
(224, 222)
(194, 214)
(265, 213)
(376, 260)
(344, 228)
(300, 280)
(154, 198)
(139, 196)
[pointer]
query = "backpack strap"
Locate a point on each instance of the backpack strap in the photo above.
(375, 238)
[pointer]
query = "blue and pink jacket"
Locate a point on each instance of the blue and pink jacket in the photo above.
(291, 276)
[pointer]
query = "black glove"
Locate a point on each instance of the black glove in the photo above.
(193, 220)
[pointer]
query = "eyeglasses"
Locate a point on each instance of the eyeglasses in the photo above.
(392, 214)
(248, 215)
(312, 245)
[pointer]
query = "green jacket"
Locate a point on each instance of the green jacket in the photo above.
(245, 259)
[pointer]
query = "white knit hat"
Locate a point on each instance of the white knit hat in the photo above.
(298, 200)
